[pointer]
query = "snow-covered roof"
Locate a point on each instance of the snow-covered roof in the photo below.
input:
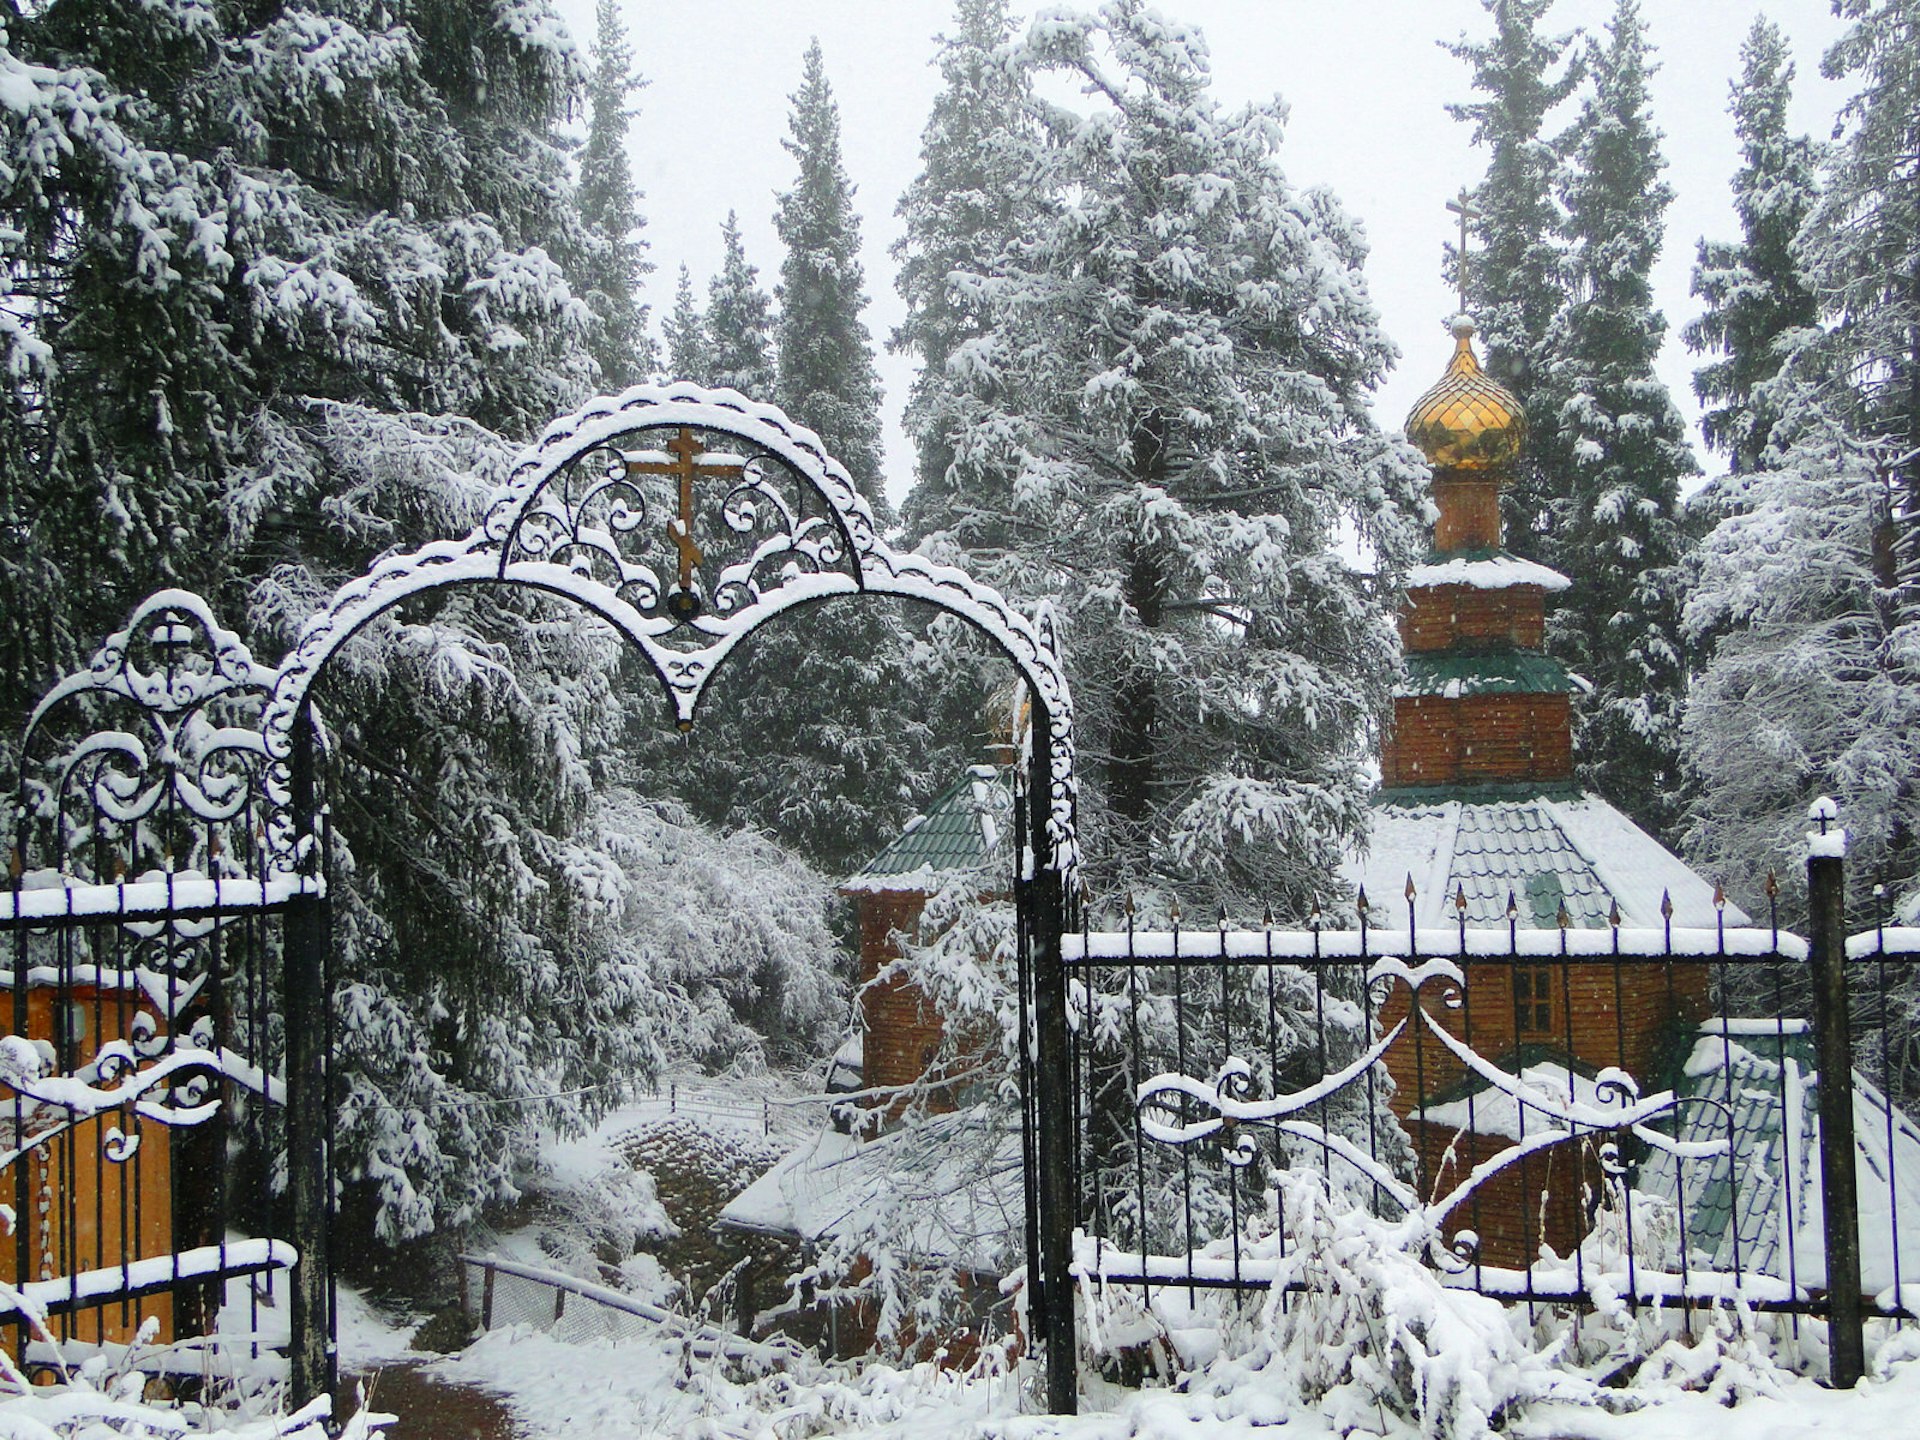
(961, 832)
(1491, 570)
(1759, 1208)
(945, 1190)
(1546, 849)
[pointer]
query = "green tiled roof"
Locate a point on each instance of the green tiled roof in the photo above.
(1516, 847)
(1502, 847)
(1733, 1204)
(962, 830)
(1498, 672)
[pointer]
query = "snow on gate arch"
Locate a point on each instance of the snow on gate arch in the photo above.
(607, 508)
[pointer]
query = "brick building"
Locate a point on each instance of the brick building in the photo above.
(1478, 818)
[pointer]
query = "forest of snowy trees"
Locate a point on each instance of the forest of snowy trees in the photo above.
(288, 286)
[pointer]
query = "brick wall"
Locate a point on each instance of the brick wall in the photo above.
(1469, 503)
(1436, 740)
(1440, 616)
(902, 1029)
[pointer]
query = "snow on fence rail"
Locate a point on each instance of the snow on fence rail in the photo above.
(572, 1309)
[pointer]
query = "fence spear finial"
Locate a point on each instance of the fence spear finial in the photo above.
(1772, 887)
(1360, 902)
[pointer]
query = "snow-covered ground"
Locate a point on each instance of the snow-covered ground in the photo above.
(635, 1389)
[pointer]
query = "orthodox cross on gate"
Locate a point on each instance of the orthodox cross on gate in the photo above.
(686, 462)
(1463, 207)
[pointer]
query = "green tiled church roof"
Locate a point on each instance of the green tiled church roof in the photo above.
(962, 830)
(1548, 845)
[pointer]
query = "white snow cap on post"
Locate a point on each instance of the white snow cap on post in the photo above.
(1825, 843)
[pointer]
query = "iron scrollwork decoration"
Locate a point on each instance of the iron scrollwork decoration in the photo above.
(1226, 1105)
(686, 518)
(145, 796)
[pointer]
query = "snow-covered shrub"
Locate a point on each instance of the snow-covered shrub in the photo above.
(98, 1399)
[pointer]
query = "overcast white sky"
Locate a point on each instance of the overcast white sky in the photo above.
(1365, 80)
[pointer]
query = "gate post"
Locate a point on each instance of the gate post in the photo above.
(1833, 1040)
(311, 1355)
(1053, 1095)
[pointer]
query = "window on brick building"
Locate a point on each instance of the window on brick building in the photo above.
(1532, 1000)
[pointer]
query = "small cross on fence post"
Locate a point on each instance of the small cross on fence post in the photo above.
(686, 462)
(1833, 1040)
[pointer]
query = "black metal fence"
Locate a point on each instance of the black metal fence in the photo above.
(1637, 1116)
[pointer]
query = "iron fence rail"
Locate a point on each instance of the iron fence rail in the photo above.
(1571, 1113)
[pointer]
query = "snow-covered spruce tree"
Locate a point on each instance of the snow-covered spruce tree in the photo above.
(958, 211)
(286, 292)
(1754, 293)
(826, 378)
(689, 356)
(1861, 253)
(1515, 284)
(1160, 444)
(739, 322)
(1814, 685)
(1813, 679)
(614, 266)
(1158, 429)
(1615, 530)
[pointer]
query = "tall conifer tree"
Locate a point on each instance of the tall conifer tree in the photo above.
(1861, 250)
(288, 286)
(689, 355)
(1515, 282)
(1156, 445)
(1616, 532)
(739, 322)
(958, 211)
(827, 379)
(610, 207)
(1755, 296)
(1809, 585)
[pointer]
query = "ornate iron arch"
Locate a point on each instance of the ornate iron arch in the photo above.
(687, 518)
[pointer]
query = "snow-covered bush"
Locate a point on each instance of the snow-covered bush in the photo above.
(1376, 1329)
(104, 1398)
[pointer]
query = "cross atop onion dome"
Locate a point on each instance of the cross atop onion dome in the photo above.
(1468, 422)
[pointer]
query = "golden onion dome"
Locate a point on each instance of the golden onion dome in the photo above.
(1467, 422)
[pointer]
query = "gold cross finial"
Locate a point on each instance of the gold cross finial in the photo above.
(1463, 207)
(686, 462)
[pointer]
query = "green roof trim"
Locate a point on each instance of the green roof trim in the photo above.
(1496, 672)
(961, 830)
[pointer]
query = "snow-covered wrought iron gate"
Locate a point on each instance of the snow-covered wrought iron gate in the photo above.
(684, 519)
(154, 855)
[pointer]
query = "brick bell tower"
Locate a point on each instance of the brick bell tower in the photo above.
(1483, 702)
(1479, 819)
